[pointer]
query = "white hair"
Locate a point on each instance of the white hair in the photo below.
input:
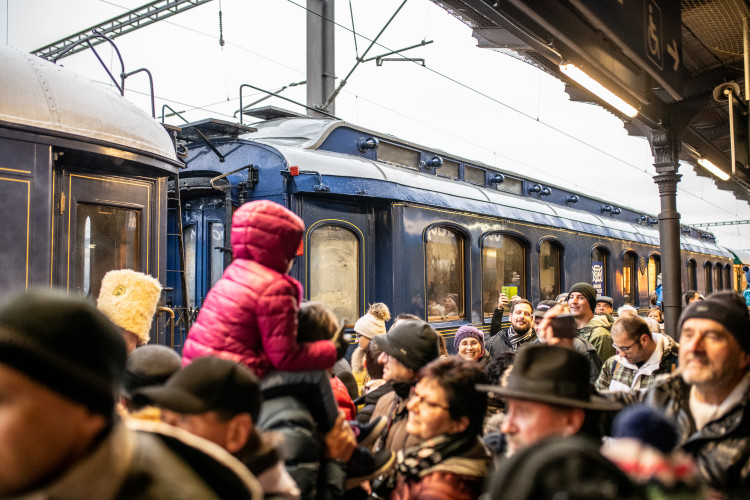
(627, 309)
(653, 325)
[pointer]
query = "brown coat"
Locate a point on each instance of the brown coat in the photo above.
(394, 409)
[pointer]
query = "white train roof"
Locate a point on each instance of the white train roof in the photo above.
(41, 95)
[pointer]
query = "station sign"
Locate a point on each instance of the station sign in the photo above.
(647, 31)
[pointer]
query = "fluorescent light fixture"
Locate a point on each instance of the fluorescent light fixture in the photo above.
(598, 89)
(713, 169)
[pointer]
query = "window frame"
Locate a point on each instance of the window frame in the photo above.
(633, 279)
(552, 240)
(465, 249)
(607, 257)
(525, 245)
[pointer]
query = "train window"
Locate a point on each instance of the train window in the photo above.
(654, 270)
(334, 270)
(188, 239)
(719, 280)
(474, 175)
(599, 263)
(510, 185)
(216, 231)
(444, 263)
(503, 265)
(629, 275)
(709, 285)
(728, 277)
(692, 274)
(449, 169)
(398, 155)
(111, 239)
(549, 270)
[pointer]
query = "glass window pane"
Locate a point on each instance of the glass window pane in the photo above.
(449, 169)
(692, 275)
(397, 155)
(188, 238)
(599, 270)
(503, 265)
(728, 277)
(654, 269)
(707, 268)
(444, 261)
(474, 175)
(216, 230)
(108, 238)
(719, 276)
(549, 270)
(628, 278)
(511, 185)
(334, 271)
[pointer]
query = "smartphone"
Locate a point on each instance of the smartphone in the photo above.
(563, 326)
(510, 291)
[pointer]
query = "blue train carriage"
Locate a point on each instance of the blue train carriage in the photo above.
(83, 177)
(427, 233)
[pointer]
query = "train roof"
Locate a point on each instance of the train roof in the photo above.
(48, 99)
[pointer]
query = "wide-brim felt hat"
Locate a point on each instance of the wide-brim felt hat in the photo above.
(551, 374)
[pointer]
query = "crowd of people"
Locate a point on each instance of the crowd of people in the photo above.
(571, 400)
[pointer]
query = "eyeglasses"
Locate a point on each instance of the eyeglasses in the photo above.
(423, 402)
(626, 348)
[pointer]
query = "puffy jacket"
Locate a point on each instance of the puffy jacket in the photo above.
(721, 447)
(250, 315)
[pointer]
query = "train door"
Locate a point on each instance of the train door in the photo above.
(203, 228)
(338, 256)
(104, 222)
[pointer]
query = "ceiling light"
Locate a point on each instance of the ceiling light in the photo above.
(713, 169)
(598, 89)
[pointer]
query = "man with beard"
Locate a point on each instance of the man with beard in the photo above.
(520, 331)
(709, 396)
(582, 303)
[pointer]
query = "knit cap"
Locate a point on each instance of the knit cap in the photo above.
(467, 331)
(587, 291)
(64, 344)
(149, 365)
(129, 299)
(373, 323)
(645, 424)
(726, 308)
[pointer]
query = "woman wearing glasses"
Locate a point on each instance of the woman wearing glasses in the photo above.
(446, 412)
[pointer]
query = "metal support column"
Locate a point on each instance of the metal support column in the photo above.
(321, 68)
(666, 150)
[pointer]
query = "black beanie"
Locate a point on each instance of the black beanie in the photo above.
(64, 344)
(726, 308)
(587, 291)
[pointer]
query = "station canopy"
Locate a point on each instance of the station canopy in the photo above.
(675, 62)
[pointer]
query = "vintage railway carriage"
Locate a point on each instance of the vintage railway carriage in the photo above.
(83, 176)
(425, 232)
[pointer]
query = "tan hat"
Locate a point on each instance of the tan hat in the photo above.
(129, 299)
(373, 323)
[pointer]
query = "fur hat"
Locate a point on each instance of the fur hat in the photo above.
(373, 323)
(467, 331)
(727, 309)
(587, 291)
(66, 345)
(129, 299)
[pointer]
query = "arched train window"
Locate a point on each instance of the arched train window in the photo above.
(549, 269)
(599, 270)
(444, 269)
(707, 277)
(654, 270)
(629, 277)
(719, 276)
(692, 275)
(334, 270)
(503, 269)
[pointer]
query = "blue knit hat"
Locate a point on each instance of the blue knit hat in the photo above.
(467, 331)
(647, 425)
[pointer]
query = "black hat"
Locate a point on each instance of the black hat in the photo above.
(207, 384)
(587, 291)
(411, 341)
(65, 344)
(551, 374)
(149, 365)
(726, 308)
(543, 307)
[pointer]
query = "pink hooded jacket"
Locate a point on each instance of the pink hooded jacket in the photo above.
(250, 315)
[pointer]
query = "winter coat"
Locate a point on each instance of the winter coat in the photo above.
(596, 331)
(369, 398)
(343, 399)
(618, 374)
(499, 343)
(291, 407)
(721, 447)
(456, 478)
(161, 462)
(392, 405)
(250, 315)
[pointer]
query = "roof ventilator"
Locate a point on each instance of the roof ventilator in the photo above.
(496, 179)
(433, 163)
(572, 198)
(610, 210)
(367, 144)
(539, 190)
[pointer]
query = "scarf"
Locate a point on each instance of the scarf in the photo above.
(516, 339)
(414, 460)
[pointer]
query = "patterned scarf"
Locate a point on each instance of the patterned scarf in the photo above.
(516, 339)
(414, 460)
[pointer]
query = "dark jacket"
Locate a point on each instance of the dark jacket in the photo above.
(455, 478)
(250, 314)
(392, 405)
(721, 448)
(500, 343)
(291, 407)
(370, 400)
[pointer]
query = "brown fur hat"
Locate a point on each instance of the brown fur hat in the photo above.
(129, 299)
